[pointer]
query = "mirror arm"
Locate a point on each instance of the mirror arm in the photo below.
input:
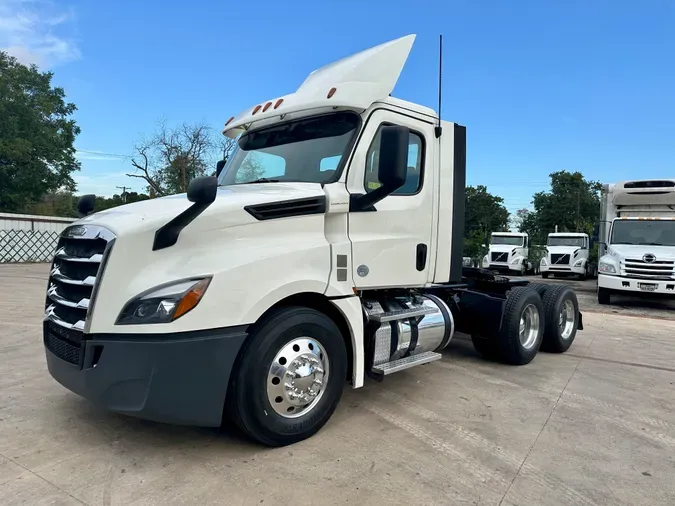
(360, 202)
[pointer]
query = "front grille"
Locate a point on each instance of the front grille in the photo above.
(500, 257)
(560, 258)
(67, 344)
(658, 269)
(78, 263)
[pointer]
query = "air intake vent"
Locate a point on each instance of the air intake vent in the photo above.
(288, 208)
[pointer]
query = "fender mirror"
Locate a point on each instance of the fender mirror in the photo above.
(86, 205)
(202, 190)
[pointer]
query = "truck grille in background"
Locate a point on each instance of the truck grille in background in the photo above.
(80, 254)
(638, 268)
(500, 257)
(560, 258)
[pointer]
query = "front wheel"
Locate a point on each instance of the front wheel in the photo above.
(544, 275)
(290, 377)
(604, 296)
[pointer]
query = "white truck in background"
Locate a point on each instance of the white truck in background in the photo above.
(566, 253)
(508, 253)
(636, 238)
(328, 249)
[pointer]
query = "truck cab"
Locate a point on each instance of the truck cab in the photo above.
(508, 253)
(636, 237)
(566, 253)
(328, 249)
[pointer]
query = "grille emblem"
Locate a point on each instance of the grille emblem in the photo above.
(649, 258)
(77, 231)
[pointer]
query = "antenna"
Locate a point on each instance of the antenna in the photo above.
(439, 130)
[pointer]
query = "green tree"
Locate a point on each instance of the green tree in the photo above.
(573, 204)
(37, 133)
(485, 213)
(526, 221)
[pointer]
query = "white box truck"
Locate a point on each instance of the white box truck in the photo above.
(508, 253)
(566, 253)
(636, 237)
(327, 249)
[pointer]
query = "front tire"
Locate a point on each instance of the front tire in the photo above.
(544, 275)
(561, 315)
(290, 377)
(522, 328)
(604, 296)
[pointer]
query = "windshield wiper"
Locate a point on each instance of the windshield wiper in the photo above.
(262, 180)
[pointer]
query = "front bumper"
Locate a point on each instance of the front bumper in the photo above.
(624, 284)
(502, 267)
(171, 378)
(562, 269)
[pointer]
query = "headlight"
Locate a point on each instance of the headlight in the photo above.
(164, 304)
(516, 261)
(606, 268)
(579, 263)
(543, 261)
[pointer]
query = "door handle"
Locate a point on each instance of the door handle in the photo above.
(421, 257)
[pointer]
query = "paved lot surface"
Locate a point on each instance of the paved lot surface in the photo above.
(593, 426)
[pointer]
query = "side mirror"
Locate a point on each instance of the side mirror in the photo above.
(202, 190)
(392, 169)
(393, 155)
(596, 232)
(219, 166)
(86, 205)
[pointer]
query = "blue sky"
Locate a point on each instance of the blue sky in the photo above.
(540, 85)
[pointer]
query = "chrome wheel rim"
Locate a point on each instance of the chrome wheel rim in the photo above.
(297, 377)
(529, 326)
(566, 320)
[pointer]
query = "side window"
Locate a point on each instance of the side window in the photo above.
(259, 164)
(415, 165)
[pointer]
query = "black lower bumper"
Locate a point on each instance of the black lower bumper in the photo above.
(172, 378)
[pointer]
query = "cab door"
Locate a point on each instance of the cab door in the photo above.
(393, 245)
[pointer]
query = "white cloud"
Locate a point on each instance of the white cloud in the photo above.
(37, 31)
(98, 156)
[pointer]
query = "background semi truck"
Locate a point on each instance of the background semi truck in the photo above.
(257, 296)
(508, 253)
(636, 235)
(566, 253)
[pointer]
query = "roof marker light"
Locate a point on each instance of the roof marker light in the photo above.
(229, 121)
(257, 108)
(267, 106)
(278, 103)
(331, 92)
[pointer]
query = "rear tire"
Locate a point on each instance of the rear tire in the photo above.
(293, 344)
(540, 288)
(522, 328)
(561, 318)
(604, 296)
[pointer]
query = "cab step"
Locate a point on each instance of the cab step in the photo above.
(403, 314)
(406, 363)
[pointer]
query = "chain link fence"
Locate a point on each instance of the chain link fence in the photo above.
(27, 246)
(29, 238)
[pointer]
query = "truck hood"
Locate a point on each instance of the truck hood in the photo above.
(226, 211)
(562, 249)
(637, 251)
(502, 248)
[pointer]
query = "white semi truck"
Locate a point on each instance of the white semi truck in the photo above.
(567, 253)
(327, 249)
(508, 253)
(636, 239)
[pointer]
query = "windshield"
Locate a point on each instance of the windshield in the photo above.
(507, 239)
(306, 150)
(566, 241)
(647, 232)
